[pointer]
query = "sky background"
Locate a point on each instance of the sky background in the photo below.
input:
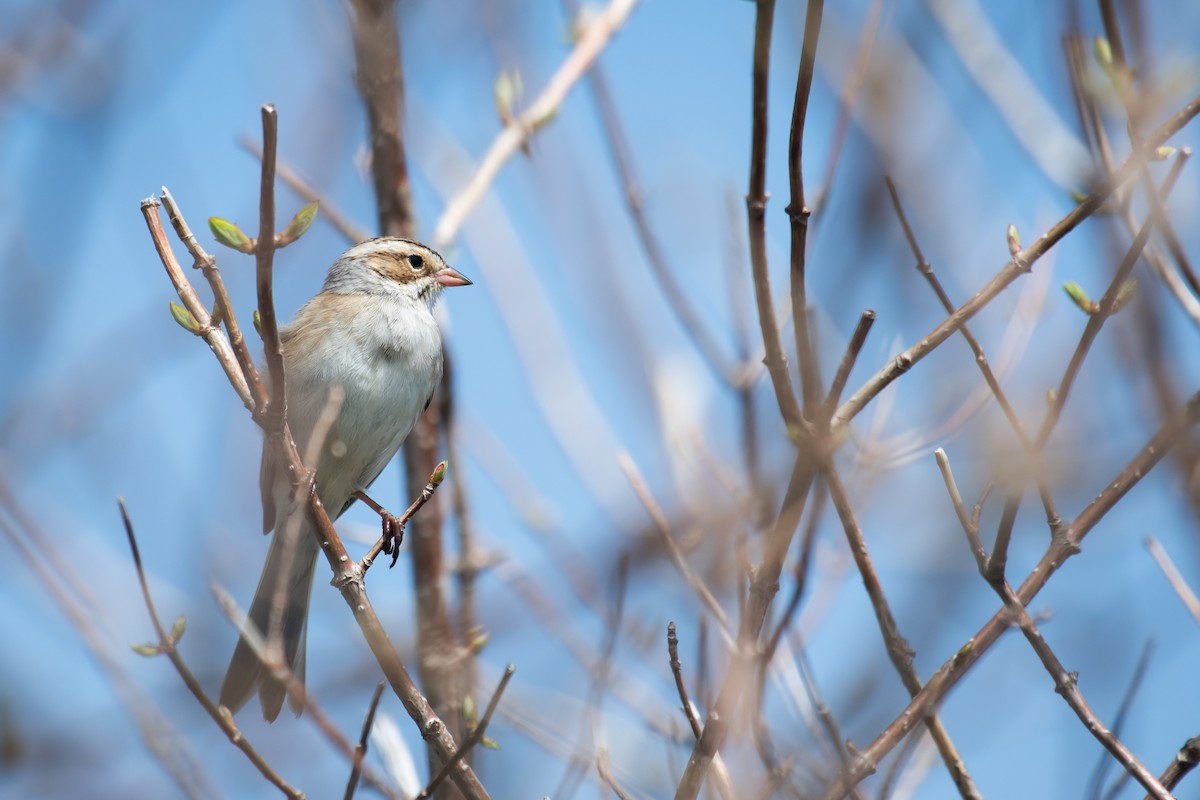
(565, 353)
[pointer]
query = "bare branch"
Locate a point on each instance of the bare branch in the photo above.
(360, 752)
(600, 30)
(476, 735)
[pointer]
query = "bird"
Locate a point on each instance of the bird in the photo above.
(370, 331)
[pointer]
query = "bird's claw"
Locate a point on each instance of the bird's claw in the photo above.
(393, 535)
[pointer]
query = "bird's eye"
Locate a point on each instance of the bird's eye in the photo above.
(415, 261)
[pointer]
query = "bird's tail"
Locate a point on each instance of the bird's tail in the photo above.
(246, 672)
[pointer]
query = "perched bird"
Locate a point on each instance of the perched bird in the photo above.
(371, 331)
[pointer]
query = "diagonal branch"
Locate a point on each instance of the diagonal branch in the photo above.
(595, 37)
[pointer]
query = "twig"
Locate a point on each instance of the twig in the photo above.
(1020, 264)
(998, 560)
(688, 318)
(607, 776)
(600, 30)
(474, 738)
(763, 588)
(279, 670)
(756, 216)
(853, 348)
(1067, 685)
(166, 645)
(1104, 309)
(471, 559)
(435, 480)
(926, 269)
(677, 671)
(207, 264)
(898, 650)
(1184, 762)
(1096, 783)
(798, 211)
(264, 256)
(948, 675)
(1174, 577)
(360, 751)
(846, 98)
(211, 334)
(970, 524)
(677, 557)
(823, 713)
(42, 559)
(379, 79)
(351, 232)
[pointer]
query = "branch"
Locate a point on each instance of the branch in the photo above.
(475, 738)
(264, 257)
(798, 211)
(756, 215)
(166, 646)
(948, 675)
(351, 232)
(360, 752)
(211, 334)
(1020, 264)
(279, 670)
(600, 30)
(379, 79)
(680, 686)
(1174, 577)
(677, 557)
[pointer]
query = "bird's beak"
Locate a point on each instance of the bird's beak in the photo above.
(449, 276)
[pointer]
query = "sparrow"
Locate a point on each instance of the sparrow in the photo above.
(371, 331)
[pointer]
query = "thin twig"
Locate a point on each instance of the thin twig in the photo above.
(823, 713)
(1104, 310)
(691, 321)
(280, 671)
(40, 557)
(949, 674)
(677, 672)
(435, 480)
(677, 557)
(798, 211)
(756, 219)
(1020, 264)
(352, 233)
(926, 269)
(360, 751)
(853, 348)
(211, 334)
(166, 645)
(1067, 685)
(207, 264)
(264, 255)
(601, 28)
(1096, 783)
(799, 575)
(607, 776)
(1174, 577)
(898, 650)
(474, 738)
(970, 524)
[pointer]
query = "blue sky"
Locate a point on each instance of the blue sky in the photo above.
(107, 396)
